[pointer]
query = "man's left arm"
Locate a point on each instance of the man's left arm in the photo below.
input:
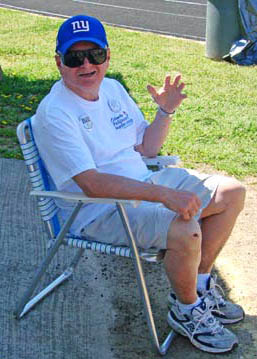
(168, 98)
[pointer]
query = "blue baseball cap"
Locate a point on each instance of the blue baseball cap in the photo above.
(80, 28)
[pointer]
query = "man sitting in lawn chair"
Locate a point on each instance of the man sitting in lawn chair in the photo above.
(92, 136)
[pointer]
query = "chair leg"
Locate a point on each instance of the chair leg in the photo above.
(162, 349)
(25, 304)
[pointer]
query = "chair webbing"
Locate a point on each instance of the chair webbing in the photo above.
(104, 248)
(38, 176)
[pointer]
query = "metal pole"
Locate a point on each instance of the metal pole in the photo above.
(45, 264)
(142, 285)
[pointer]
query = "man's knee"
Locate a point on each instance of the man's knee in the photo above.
(239, 194)
(233, 193)
(230, 195)
(183, 235)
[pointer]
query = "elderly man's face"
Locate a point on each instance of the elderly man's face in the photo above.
(86, 79)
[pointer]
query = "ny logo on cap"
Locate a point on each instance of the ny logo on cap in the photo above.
(80, 25)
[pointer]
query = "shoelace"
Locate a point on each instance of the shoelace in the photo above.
(214, 292)
(217, 293)
(218, 298)
(208, 320)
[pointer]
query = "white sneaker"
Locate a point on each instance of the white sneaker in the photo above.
(202, 328)
(225, 311)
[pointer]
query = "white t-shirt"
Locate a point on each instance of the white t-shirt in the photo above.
(74, 135)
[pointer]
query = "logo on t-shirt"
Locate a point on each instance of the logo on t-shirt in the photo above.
(122, 120)
(87, 123)
(114, 105)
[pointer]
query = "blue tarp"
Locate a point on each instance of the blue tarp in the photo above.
(244, 50)
(248, 14)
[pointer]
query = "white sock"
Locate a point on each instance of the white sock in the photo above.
(202, 280)
(186, 308)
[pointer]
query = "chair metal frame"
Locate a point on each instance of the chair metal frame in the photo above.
(59, 234)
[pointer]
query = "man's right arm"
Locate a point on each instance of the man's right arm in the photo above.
(104, 185)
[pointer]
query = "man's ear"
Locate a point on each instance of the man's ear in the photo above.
(108, 54)
(58, 61)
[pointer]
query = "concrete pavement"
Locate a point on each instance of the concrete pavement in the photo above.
(97, 313)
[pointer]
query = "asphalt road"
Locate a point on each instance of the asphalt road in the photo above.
(181, 18)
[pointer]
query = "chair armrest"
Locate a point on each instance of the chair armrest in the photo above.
(161, 160)
(80, 196)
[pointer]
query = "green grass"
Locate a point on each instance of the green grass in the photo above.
(216, 125)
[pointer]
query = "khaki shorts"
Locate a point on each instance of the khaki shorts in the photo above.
(150, 221)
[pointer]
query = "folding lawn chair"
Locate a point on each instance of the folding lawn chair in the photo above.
(59, 233)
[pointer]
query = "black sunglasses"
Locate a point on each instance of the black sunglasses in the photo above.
(77, 58)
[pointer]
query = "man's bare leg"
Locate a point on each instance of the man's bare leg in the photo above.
(189, 315)
(183, 257)
(218, 220)
(191, 251)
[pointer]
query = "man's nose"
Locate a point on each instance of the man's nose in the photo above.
(86, 62)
